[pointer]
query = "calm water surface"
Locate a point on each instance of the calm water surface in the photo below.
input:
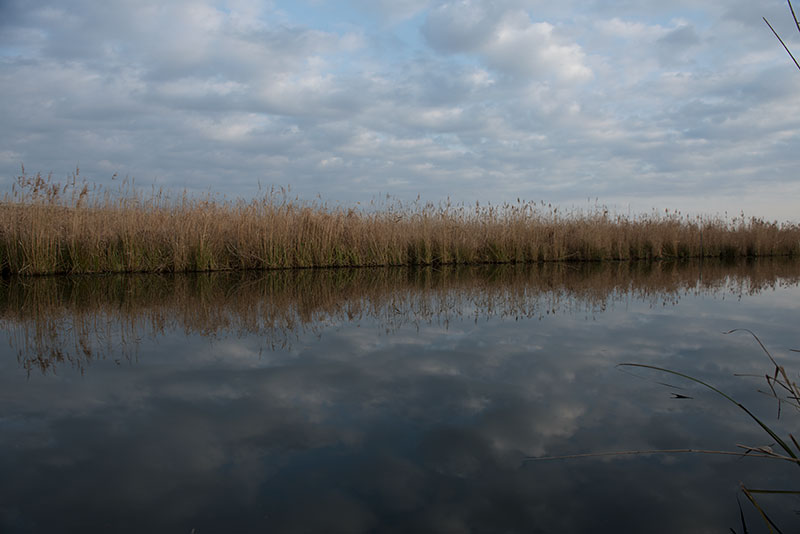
(391, 400)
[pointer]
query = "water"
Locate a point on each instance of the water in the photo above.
(392, 400)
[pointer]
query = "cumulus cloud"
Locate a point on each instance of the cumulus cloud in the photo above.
(509, 41)
(527, 48)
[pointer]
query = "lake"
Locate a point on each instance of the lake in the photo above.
(394, 399)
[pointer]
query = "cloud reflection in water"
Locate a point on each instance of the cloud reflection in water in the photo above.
(388, 400)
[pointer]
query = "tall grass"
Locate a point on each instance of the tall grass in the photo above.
(48, 227)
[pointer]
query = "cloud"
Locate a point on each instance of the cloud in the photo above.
(676, 46)
(392, 11)
(509, 42)
(463, 26)
(527, 48)
(467, 99)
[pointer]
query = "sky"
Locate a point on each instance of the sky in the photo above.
(638, 106)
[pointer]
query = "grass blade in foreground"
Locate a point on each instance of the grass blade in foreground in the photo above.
(763, 425)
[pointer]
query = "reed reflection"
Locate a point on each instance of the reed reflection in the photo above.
(53, 321)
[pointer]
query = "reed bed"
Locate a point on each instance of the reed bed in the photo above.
(48, 227)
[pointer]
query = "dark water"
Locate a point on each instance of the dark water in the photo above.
(392, 400)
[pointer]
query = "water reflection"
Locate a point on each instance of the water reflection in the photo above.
(389, 400)
(53, 320)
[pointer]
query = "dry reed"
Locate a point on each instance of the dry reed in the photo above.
(48, 227)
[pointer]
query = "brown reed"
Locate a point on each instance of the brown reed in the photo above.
(48, 227)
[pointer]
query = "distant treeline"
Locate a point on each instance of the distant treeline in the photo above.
(48, 228)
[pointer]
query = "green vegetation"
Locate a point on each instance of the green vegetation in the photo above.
(48, 228)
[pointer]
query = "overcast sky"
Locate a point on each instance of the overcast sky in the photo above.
(689, 105)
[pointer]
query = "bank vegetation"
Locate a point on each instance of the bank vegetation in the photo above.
(48, 227)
